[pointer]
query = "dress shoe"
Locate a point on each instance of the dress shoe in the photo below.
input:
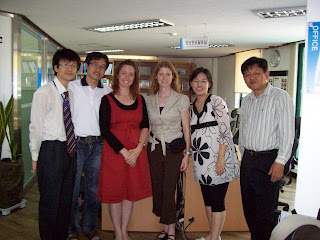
(93, 236)
(73, 237)
(202, 238)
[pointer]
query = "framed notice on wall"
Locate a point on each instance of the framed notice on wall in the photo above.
(279, 79)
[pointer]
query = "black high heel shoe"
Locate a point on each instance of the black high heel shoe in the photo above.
(171, 237)
(164, 237)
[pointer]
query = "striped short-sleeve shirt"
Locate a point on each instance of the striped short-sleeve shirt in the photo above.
(267, 122)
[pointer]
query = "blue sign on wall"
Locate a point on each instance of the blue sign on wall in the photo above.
(312, 84)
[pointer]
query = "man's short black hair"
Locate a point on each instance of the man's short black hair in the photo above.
(65, 54)
(261, 62)
(96, 56)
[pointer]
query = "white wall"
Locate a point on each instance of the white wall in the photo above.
(308, 192)
(211, 65)
(5, 66)
(226, 73)
(288, 62)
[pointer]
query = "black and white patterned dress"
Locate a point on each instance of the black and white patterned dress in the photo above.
(209, 129)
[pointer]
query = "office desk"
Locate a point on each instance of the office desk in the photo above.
(144, 220)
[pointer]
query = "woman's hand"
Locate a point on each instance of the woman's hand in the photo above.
(125, 153)
(184, 163)
(220, 166)
(220, 159)
(133, 155)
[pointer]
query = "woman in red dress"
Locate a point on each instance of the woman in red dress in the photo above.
(124, 173)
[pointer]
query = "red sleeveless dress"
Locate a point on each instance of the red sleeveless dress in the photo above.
(118, 181)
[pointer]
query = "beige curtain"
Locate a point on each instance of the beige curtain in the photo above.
(239, 84)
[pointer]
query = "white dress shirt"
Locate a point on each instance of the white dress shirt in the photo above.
(46, 116)
(267, 122)
(85, 105)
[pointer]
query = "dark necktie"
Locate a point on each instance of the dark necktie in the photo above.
(68, 125)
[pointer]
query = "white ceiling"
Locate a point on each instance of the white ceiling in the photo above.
(223, 21)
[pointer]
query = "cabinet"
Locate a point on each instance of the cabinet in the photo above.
(30, 73)
(146, 67)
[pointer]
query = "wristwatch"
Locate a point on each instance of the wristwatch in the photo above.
(188, 153)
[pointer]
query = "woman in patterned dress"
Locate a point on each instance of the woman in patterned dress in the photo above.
(215, 161)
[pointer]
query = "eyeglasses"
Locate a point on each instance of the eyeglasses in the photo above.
(204, 81)
(96, 65)
(65, 65)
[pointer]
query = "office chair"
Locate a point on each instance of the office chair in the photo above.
(290, 163)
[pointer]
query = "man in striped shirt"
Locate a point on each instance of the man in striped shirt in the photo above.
(266, 138)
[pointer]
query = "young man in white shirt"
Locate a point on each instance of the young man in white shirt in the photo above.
(53, 157)
(86, 94)
(266, 138)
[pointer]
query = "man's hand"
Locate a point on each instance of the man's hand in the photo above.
(34, 167)
(276, 172)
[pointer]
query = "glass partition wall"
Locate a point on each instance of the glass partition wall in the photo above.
(32, 68)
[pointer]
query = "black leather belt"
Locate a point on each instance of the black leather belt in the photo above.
(261, 153)
(203, 125)
(90, 139)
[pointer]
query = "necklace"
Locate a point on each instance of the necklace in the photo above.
(163, 100)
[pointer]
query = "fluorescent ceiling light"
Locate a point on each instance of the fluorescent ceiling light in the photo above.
(210, 46)
(281, 12)
(134, 57)
(130, 25)
(220, 45)
(106, 51)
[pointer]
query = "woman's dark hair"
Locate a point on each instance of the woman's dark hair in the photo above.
(261, 62)
(196, 72)
(134, 88)
(97, 56)
(67, 55)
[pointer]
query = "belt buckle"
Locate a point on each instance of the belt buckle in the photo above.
(89, 139)
(252, 153)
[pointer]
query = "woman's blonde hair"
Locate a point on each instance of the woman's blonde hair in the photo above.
(134, 88)
(175, 85)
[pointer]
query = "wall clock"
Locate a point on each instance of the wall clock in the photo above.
(274, 58)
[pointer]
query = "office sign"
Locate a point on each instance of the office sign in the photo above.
(313, 61)
(194, 43)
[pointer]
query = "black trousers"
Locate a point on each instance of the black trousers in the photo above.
(56, 171)
(164, 176)
(259, 194)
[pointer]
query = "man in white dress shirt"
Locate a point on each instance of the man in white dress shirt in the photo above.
(266, 138)
(86, 94)
(54, 164)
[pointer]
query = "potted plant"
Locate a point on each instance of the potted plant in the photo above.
(11, 169)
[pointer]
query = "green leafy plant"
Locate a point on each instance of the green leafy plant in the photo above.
(6, 122)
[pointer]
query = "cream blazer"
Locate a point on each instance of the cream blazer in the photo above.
(167, 125)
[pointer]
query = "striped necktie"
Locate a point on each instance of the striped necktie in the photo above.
(68, 125)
